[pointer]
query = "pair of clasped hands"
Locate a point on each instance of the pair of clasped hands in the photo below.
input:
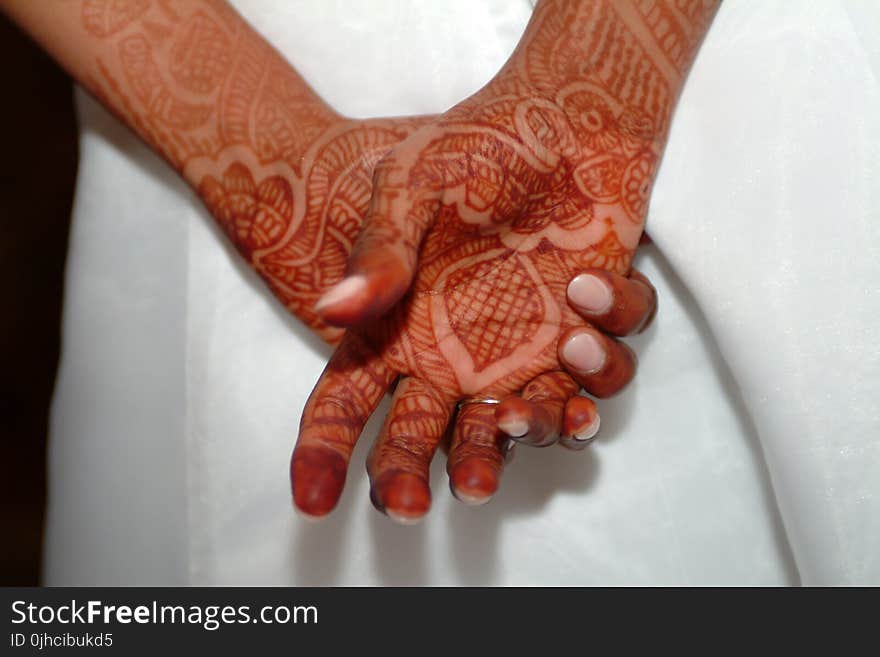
(488, 276)
(488, 285)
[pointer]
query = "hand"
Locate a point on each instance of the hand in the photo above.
(299, 265)
(476, 223)
(501, 202)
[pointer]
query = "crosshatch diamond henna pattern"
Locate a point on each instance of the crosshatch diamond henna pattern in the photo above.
(510, 314)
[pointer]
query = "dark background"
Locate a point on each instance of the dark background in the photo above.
(37, 174)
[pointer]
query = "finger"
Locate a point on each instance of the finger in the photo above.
(346, 395)
(476, 455)
(401, 457)
(382, 262)
(618, 305)
(535, 417)
(580, 423)
(601, 365)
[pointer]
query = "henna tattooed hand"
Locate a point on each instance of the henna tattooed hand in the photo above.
(476, 225)
(505, 233)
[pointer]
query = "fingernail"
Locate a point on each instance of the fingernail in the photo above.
(473, 482)
(584, 353)
(317, 477)
(404, 497)
(591, 294)
(344, 289)
(588, 433)
(514, 428)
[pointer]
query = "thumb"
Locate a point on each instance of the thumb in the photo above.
(383, 260)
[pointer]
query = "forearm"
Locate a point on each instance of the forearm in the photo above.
(190, 76)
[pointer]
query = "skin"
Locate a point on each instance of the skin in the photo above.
(288, 179)
(476, 225)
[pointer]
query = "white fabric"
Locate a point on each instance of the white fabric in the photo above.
(783, 121)
(746, 452)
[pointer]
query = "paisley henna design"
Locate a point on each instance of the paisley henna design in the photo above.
(480, 219)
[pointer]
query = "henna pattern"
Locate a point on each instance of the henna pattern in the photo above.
(200, 55)
(105, 17)
(673, 24)
(136, 56)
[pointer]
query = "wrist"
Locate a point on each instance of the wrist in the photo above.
(637, 56)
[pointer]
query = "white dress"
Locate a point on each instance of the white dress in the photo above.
(746, 452)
